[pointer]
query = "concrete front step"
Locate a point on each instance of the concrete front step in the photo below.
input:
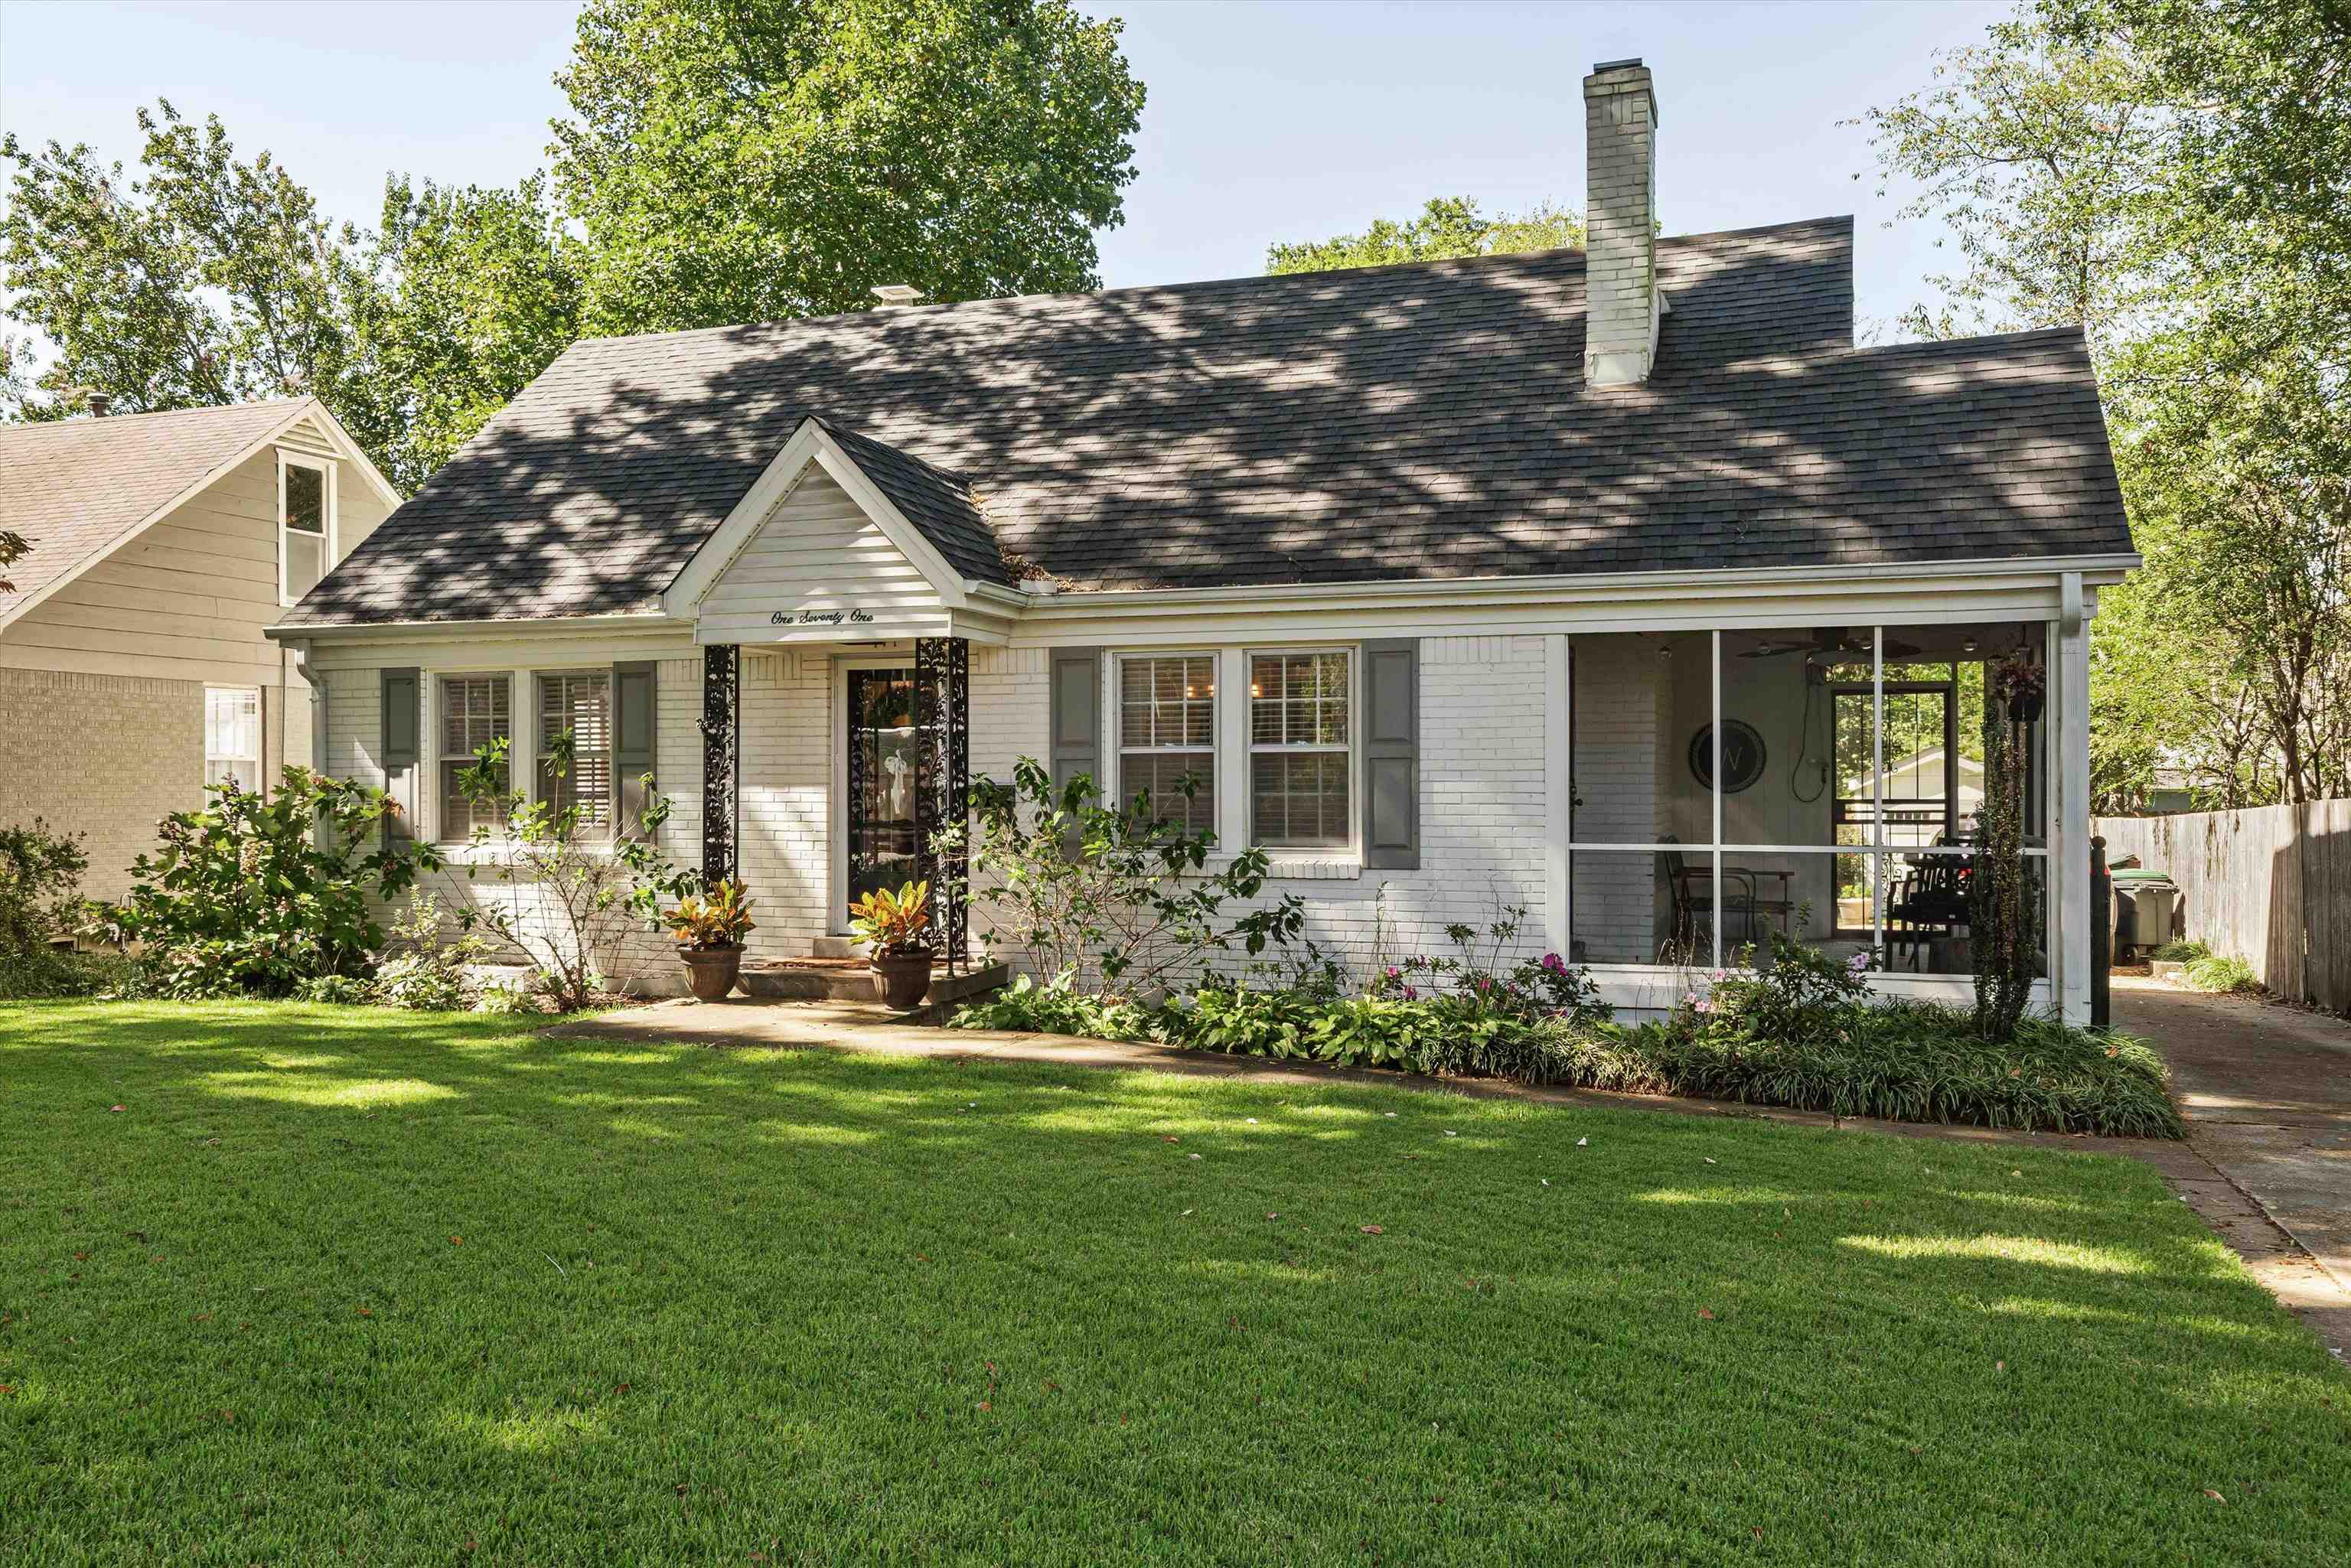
(848, 979)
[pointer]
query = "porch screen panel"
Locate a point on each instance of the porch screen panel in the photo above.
(580, 705)
(1167, 733)
(475, 711)
(1820, 783)
(1300, 764)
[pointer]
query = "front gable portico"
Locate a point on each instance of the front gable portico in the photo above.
(822, 549)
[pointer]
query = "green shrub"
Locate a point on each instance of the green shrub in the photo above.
(341, 990)
(504, 997)
(2220, 972)
(2182, 952)
(242, 898)
(39, 871)
(1904, 1062)
(1118, 895)
(49, 972)
(1056, 1008)
(420, 984)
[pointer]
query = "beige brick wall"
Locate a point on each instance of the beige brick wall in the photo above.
(107, 756)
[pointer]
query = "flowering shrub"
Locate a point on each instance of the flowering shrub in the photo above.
(1472, 983)
(242, 898)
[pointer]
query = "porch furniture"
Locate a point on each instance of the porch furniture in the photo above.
(1928, 908)
(1742, 899)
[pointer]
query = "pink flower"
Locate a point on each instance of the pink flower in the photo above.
(1411, 995)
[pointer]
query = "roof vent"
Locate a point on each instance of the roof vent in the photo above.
(99, 403)
(896, 296)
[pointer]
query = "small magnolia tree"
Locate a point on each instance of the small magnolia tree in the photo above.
(244, 897)
(1105, 898)
(576, 896)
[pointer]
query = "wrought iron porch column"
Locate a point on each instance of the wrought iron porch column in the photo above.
(943, 779)
(722, 749)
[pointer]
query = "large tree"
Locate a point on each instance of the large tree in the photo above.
(2175, 176)
(744, 160)
(471, 293)
(204, 280)
(1448, 227)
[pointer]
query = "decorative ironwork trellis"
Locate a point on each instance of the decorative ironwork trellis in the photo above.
(943, 780)
(722, 753)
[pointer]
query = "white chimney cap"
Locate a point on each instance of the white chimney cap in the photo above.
(896, 293)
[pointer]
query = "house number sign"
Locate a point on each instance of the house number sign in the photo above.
(821, 618)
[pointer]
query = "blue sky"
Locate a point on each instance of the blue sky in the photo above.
(1266, 121)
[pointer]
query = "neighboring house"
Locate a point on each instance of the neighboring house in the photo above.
(1438, 576)
(133, 667)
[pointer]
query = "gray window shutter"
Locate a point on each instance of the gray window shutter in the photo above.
(399, 689)
(1077, 714)
(1392, 755)
(636, 695)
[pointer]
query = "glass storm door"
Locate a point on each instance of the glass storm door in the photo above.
(881, 816)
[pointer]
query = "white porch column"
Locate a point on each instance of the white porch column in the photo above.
(2069, 845)
(1558, 764)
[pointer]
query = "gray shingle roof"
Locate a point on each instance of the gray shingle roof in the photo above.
(1422, 421)
(937, 503)
(75, 487)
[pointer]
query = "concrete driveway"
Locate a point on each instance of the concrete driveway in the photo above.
(2266, 1091)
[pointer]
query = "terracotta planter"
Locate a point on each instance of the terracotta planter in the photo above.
(711, 971)
(900, 979)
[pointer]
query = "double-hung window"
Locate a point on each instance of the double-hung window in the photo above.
(1300, 734)
(578, 704)
(475, 711)
(305, 527)
(1168, 732)
(232, 735)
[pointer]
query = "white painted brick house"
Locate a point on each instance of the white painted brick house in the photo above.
(1603, 583)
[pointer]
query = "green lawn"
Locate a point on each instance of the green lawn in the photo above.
(342, 1285)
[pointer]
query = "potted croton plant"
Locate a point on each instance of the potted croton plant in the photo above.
(710, 926)
(894, 926)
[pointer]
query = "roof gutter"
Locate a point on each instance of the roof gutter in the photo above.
(2092, 570)
(646, 623)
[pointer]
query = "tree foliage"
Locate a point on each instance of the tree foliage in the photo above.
(724, 162)
(2174, 176)
(1448, 227)
(738, 160)
(204, 280)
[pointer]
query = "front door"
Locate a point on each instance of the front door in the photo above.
(882, 834)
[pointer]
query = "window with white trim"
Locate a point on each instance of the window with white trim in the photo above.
(578, 702)
(306, 528)
(1168, 732)
(232, 735)
(1301, 749)
(475, 711)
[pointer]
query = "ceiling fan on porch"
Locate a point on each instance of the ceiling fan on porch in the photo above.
(1833, 642)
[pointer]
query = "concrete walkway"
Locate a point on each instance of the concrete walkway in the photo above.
(2237, 1064)
(2266, 1092)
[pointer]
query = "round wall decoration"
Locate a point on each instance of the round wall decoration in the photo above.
(1742, 756)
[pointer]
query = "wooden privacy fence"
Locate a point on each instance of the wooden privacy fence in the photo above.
(2271, 885)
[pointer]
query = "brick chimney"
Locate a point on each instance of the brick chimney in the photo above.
(1622, 304)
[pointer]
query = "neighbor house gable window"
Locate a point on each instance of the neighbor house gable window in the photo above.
(306, 526)
(578, 702)
(1168, 732)
(1301, 733)
(475, 711)
(232, 735)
